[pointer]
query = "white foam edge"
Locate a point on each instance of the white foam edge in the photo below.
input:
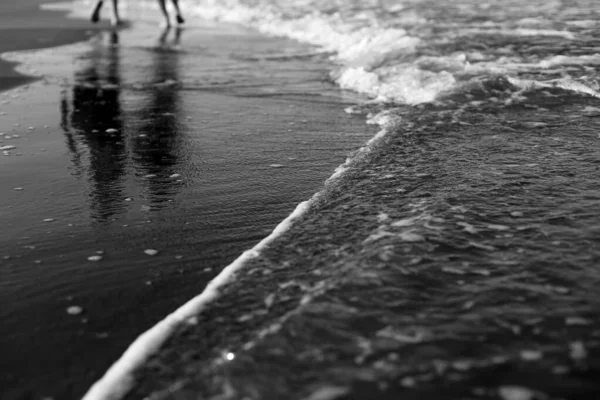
(565, 84)
(119, 380)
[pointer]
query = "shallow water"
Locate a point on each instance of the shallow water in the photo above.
(460, 260)
(416, 50)
(192, 142)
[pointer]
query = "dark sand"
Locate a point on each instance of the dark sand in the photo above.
(23, 25)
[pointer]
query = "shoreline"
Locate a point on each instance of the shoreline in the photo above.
(26, 26)
(265, 133)
(119, 378)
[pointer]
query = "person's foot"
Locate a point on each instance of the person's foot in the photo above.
(95, 15)
(180, 19)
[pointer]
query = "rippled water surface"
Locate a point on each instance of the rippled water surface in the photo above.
(194, 143)
(412, 51)
(461, 258)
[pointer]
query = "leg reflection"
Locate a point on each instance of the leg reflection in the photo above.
(71, 140)
(96, 125)
(157, 148)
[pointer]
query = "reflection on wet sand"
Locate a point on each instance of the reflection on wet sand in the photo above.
(157, 142)
(94, 126)
(94, 121)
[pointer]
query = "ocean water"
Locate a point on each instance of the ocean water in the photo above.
(461, 255)
(411, 52)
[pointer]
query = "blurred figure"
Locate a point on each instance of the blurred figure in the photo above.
(165, 13)
(116, 20)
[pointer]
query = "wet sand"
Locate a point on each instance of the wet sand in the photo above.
(195, 143)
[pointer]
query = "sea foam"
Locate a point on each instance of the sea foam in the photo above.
(361, 50)
(392, 53)
(412, 53)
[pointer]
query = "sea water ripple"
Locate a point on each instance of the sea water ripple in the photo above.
(413, 52)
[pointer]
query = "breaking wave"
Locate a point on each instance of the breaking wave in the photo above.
(418, 51)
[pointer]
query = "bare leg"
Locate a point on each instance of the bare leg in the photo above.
(165, 13)
(116, 20)
(96, 13)
(179, 17)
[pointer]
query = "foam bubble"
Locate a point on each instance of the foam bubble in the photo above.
(361, 49)
(564, 83)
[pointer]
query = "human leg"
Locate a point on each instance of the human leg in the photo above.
(163, 9)
(179, 17)
(116, 20)
(96, 11)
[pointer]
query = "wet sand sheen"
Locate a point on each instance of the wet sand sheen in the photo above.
(196, 149)
(23, 25)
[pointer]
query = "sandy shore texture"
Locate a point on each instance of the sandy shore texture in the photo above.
(459, 261)
(24, 25)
